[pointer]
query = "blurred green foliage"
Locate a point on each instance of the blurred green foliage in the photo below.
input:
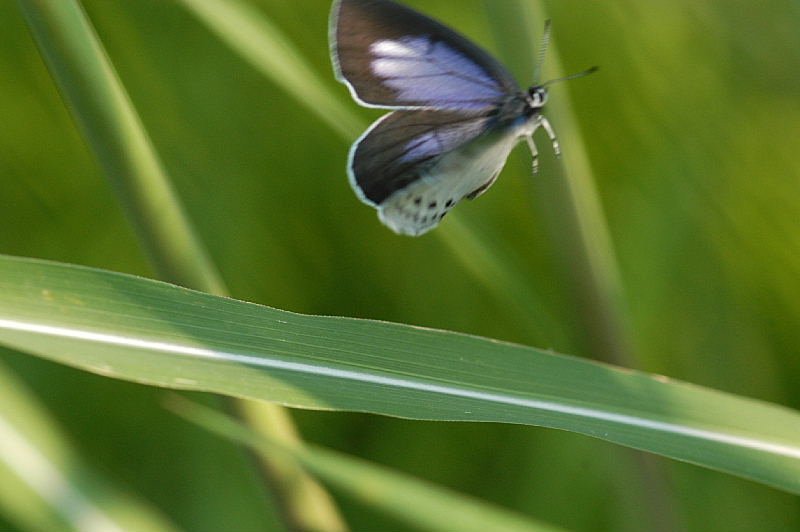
(692, 130)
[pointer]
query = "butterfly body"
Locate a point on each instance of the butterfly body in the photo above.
(456, 112)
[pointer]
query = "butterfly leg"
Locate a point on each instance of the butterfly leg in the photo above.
(534, 153)
(552, 134)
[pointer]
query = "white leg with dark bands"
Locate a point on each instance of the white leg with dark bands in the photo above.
(534, 153)
(552, 134)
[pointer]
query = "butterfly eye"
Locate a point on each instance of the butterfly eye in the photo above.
(537, 97)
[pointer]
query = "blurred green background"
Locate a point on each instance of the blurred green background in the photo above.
(691, 127)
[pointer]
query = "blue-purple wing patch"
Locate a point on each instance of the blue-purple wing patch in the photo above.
(392, 56)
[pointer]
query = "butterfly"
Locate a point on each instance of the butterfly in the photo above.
(456, 111)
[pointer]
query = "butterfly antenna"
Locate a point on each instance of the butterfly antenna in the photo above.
(573, 76)
(537, 71)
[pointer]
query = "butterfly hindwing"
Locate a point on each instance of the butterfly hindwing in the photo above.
(415, 166)
(401, 146)
(392, 56)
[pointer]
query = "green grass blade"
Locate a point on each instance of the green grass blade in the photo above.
(265, 47)
(417, 502)
(159, 334)
(577, 212)
(44, 485)
(98, 101)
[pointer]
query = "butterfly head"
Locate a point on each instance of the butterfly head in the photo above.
(537, 96)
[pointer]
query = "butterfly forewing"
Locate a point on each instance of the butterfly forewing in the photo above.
(393, 56)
